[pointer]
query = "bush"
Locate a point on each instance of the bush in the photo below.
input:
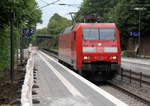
(4, 48)
(129, 53)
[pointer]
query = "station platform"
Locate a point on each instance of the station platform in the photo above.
(136, 65)
(60, 86)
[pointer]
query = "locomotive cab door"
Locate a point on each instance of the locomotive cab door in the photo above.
(73, 49)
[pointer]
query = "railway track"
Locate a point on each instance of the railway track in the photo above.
(129, 93)
(134, 76)
(119, 87)
(122, 95)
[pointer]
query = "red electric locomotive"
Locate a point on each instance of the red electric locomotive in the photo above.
(91, 47)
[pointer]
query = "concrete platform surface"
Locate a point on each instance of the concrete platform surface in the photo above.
(136, 60)
(60, 86)
(136, 65)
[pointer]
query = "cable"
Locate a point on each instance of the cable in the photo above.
(72, 5)
(49, 4)
(44, 1)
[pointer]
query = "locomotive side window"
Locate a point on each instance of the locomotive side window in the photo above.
(74, 35)
(90, 34)
(107, 34)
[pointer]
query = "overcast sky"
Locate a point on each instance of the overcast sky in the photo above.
(61, 10)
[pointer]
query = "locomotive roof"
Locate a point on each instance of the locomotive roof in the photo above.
(86, 25)
(96, 25)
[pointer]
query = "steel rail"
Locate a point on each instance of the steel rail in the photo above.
(130, 93)
(135, 76)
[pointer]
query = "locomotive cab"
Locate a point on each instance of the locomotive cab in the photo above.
(91, 48)
(100, 49)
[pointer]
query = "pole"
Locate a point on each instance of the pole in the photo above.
(141, 78)
(12, 58)
(139, 27)
(130, 75)
(139, 40)
(21, 47)
(121, 73)
(12, 46)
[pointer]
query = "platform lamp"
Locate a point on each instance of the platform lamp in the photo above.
(139, 9)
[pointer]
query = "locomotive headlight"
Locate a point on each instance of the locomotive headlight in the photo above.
(86, 57)
(99, 44)
(114, 57)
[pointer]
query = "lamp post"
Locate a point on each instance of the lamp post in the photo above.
(139, 26)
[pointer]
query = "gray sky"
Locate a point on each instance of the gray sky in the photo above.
(52, 9)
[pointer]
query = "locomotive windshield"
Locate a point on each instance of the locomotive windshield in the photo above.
(99, 34)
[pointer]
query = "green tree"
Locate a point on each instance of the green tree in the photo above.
(57, 23)
(120, 12)
(4, 48)
(26, 14)
(95, 7)
(42, 31)
(127, 19)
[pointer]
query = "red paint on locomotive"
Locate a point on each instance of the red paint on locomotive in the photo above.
(86, 44)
